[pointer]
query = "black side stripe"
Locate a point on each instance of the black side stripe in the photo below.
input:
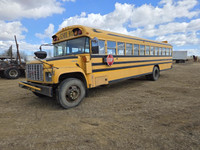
(60, 58)
(117, 56)
(126, 62)
(126, 67)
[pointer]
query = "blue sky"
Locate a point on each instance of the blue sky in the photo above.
(34, 22)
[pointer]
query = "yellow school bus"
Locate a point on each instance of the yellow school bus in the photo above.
(86, 57)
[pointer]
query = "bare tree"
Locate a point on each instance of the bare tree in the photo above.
(23, 55)
(8, 52)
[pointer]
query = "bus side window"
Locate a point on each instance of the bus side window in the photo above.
(164, 51)
(111, 47)
(152, 50)
(167, 52)
(156, 51)
(136, 49)
(147, 50)
(129, 49)
(101, 47)
(160, 51)
(121, 48)
(142, 49)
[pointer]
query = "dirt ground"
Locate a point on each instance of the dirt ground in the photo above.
(133, 114)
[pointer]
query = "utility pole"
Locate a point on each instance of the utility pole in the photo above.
(11, 54)
(18, 55)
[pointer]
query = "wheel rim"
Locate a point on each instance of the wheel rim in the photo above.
(72, 93)
(13, 73)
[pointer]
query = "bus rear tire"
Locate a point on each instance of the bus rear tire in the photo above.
(12, 73)
(155, 74)
(70, 92)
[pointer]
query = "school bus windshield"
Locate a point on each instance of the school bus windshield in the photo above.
(74, 46)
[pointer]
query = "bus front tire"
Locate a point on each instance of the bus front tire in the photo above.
(70, 92)
(155, 74)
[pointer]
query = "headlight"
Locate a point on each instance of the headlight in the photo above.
(48, 76)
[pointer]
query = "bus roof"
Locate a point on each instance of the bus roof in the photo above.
(93, 32)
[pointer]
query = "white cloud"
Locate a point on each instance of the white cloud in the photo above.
(194, 25)
(168, 12)
(181, 39)
(47, 32)
(195, 52)
(144, 21)
(4, 45)
(28, 46)
(143, 17)
(170, 28)
(148, 21)
(8, 30)
(12, 9)
(113, 21)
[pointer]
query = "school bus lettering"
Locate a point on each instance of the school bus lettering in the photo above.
(63, 35)
(85, 58)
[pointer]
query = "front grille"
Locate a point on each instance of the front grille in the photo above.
(34, 72)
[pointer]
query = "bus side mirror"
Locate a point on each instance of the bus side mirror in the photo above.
(41, 54)
(95, 50)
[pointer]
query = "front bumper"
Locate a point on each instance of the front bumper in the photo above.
(41, 89)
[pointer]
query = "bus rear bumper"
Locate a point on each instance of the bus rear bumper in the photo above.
(41, 89)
